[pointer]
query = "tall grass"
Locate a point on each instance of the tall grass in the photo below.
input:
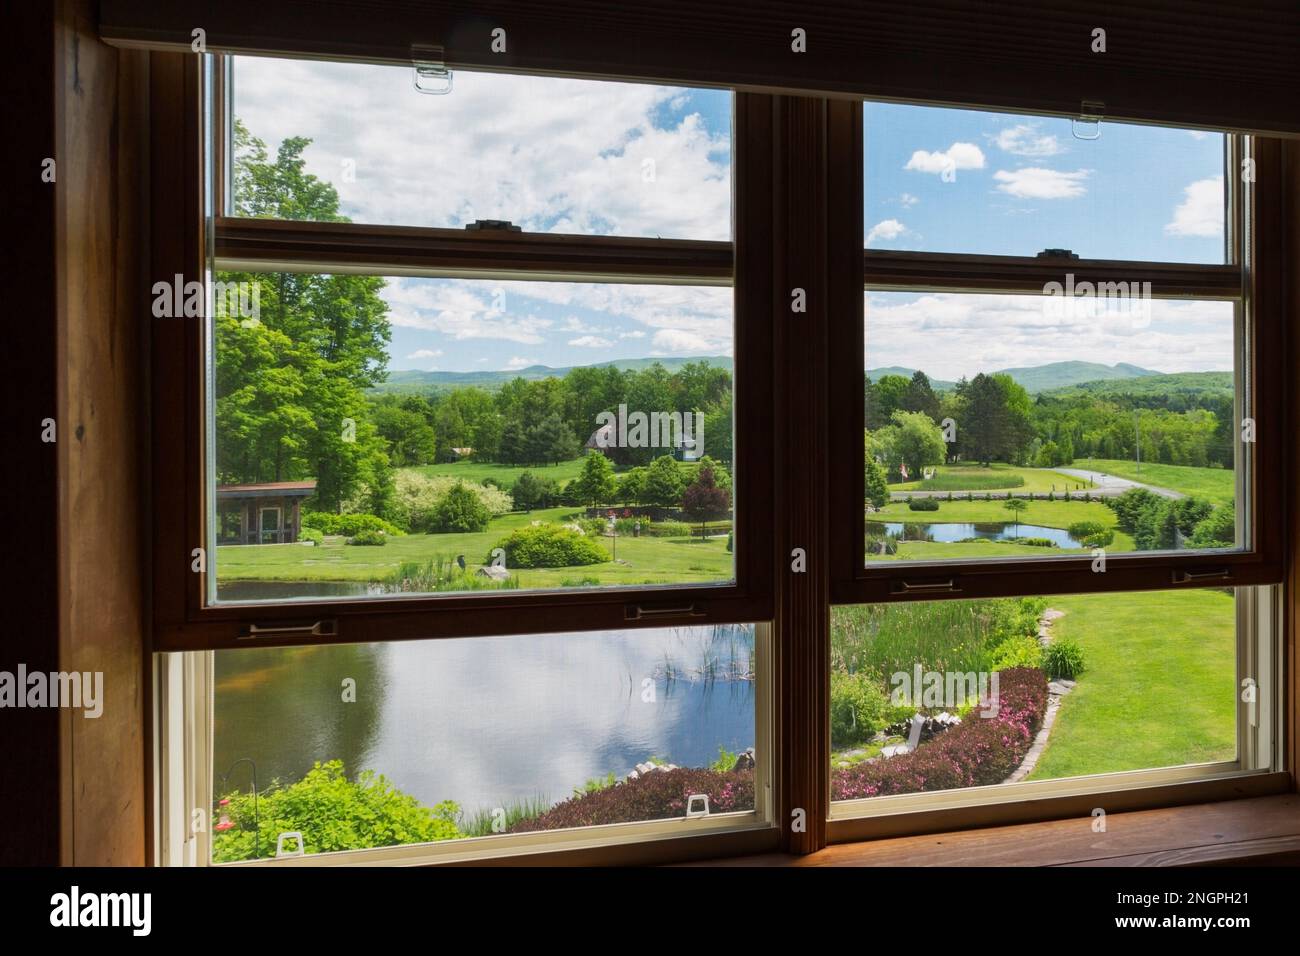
(883, 639)
(441, 574)
(525, 808)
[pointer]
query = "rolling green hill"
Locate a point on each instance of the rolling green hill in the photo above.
(413, 380)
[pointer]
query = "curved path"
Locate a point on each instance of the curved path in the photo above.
(1112, 485)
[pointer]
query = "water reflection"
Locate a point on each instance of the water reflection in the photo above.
(488, 721)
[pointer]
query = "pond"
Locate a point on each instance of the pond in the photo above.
(485, 721)
(946, 532)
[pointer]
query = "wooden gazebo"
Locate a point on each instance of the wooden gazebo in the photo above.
(261, 514)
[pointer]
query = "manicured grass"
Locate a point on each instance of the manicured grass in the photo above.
(1159, 686)
(997, 476)
(507, 475)
(1213, 483)
(1048, 514)
(642, 560)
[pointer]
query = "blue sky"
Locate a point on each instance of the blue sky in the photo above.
(564, 155)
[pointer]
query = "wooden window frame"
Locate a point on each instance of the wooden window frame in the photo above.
(787, 234)
(185, 98)
(1256, 283)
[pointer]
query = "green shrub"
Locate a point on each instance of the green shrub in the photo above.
(331, 812)
(667, 529)
(730, 541)
(1037, 542)
(1023, 651)
(349, 524)
(922, 504)
(419, 498)
(549, 546)
(858, 708)
(369, 538)
(314, 535)
(1063, 658)
(441, 574)
(459, 511)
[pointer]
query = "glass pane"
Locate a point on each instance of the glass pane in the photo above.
(548, 154)
(947, 180)
(941, 695)
(1003, 426)
(360, 746)
(396, 436)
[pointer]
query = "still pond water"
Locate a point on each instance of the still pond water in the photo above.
(485, 721)
(947, 532)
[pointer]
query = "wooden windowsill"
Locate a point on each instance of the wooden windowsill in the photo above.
(1258, 830)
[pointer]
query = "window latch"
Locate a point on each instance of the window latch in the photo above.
(1089, 120)
(315, 629)
(432, 75)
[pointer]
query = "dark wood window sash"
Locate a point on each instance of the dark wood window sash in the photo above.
(1256, 283)
(182, 619)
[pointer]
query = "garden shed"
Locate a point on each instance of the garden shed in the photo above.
(269, 513)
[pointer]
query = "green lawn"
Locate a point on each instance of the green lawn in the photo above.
(1159, 689)
(996, 476)
(642, 560)
(1214, 483)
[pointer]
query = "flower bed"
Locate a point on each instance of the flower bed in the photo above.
(978, 752)
(653, 796)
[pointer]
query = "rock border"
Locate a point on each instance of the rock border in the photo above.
(1055, 691)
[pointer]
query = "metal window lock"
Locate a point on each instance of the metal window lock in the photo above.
(432, 75)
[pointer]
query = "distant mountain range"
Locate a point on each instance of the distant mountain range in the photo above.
(1059, 375)
(1088, 376)
(406, 380)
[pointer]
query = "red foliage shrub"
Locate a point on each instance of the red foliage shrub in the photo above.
(658, 795)
(978, 752)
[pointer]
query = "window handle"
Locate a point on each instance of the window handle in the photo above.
(923, 587)
(638, 612)
(1210, 574)
(316, 629)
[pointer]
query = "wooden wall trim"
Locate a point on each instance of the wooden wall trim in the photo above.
(102, 354)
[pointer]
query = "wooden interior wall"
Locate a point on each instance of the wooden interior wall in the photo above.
(102, 322)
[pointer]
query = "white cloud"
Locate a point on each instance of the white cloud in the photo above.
(907, 200)
(425, 354)
(948, 335)
(591, 342)
(887, 229)
(956, 156)
(517, 363)
(1197, 133)
(634, 334)
(548, 153)
(1024, 139)
(461, 310)
(1201, 211)
(680, 341)
(1034, 182)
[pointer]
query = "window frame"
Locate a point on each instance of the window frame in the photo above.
(1251, 277)
(187, 100)
(786, 233)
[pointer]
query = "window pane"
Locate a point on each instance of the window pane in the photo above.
(947, 180)
(548, 154)
(1015, 689)
(479, 736)
(1015, 426)
(395, 436)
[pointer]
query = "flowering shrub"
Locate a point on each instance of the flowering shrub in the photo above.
(331, 812)
(658, 795)
(978, 752)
